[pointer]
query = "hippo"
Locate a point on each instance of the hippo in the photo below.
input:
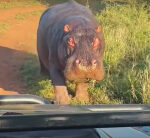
(70, 47)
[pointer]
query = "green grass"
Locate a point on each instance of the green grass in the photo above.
(37, 13)
(3, 27)
(35, 82)
(7, 4)
(23, 16)
(127, 32)
(127, 59)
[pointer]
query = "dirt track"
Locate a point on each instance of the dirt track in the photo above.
(16, 43)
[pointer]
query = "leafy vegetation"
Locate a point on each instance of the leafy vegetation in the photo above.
(126, 30)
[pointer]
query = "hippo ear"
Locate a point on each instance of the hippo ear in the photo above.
(98, 29)
(66, 28)
(96, 43)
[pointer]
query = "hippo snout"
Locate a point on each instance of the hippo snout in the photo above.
(92, 66)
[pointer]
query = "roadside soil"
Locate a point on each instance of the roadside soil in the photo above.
(16, 43)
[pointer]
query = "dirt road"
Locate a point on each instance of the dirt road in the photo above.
(17, 41)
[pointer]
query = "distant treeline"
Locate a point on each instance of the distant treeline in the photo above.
(93, 2)
(96, 5)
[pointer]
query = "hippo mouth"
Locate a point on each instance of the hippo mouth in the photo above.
(87, 68)
(83, 73)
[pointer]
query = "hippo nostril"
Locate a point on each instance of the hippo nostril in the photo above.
(77, 61)
(94, 62)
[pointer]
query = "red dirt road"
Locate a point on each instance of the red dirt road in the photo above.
(16, 42)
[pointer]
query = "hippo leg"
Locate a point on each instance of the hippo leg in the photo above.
(81, 92)
(61, 93)
(43, 69)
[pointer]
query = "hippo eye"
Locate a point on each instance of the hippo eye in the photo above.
(71, 42)
(68, 52)
(96, 43)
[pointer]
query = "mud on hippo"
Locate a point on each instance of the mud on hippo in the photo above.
(70, 46)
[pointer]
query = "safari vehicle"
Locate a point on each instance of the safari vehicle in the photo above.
(29, 116)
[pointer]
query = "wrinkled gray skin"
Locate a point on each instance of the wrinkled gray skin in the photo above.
(63, 63)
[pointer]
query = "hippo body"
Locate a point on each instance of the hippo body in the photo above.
(70, 46)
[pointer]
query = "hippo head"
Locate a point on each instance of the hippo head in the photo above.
(83, 48)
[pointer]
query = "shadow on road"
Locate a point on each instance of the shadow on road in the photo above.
(11, 63)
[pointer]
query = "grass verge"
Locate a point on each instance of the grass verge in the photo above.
(7, 4)
(3, 27)
(35, 82)
(23, 16)
(127, 32)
